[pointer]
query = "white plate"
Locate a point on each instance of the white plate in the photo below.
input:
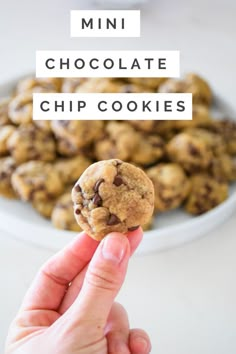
(170, 229)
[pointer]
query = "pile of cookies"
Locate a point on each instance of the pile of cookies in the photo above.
(191, 163)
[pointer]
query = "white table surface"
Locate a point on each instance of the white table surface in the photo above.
(185, 298)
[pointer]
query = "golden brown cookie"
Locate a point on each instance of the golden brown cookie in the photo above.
(71, 169)
(223, 168)
(206, 193)
(201, 118)
(7, 167)
(107, 85)
(43, 125)
(151, 82)
(70, 85)
(161, 127)
(227, 129)
(20, 109)
(5, 133)
(4, 118)
(171, 185)
(37, 180)
(120, 141)
(32, 84)
(191, 152)
(30, 143)
(44, 207)
(149, 150)
(149, 225)
(213, 141)
(98, 85)
(191, 83)
(63, 214)
(74, 135)
(111, 196)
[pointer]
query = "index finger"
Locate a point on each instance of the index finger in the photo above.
(51, 283)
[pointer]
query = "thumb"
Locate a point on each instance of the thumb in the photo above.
(103, 280)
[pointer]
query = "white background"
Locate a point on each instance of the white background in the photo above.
(185, 298)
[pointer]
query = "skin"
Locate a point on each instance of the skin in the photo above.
(56, 318)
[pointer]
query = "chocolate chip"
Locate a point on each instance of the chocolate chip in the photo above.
(118, 181)
(200, 209)
(133, 228)
(3, 175)
(97, 200)
(118, 163)
(78, 188)
(64, 123)
(77, 211)
(113, 220)
(157, 145)
(208, 187)
(193, 150)
(32, 134)
(127, 89)
(97, 185)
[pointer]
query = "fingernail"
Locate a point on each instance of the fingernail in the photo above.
(120, 347)
(143, 344)
(114, 248)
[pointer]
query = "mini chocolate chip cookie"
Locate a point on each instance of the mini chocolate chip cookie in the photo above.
(223, 168)
(133, 88)
(44, 125)
(191, 83)
(20, 109)
(149, 82)
(202, 93)
(5, 133)
(190, 151)
(4, 118)
(70, 85)
(161, 127)
(149, 225)
(63, 214)
(37, 180)
(98, 85)
(206, 193)
(227, 129)
(171, 185)
(120, 141)
(30, 143)
(107, 85)
(212, 140)
(32, 84)
(149, 150)
(71, 169)
(112, 196)
(201, 118)
(74, 135)
(44, 207)
(7, 167)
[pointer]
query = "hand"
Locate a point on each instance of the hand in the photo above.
(70, 307)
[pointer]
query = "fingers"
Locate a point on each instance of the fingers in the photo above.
(134, 238)
(117, 330)
(50, 285)
(104, 277)
(72, 292)
(139, 342)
